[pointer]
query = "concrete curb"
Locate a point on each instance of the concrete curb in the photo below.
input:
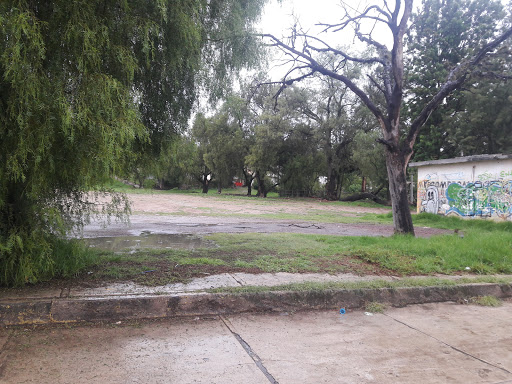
(65, 310)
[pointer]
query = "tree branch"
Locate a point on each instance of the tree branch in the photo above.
(338, 52)
(317, 67)
(397, 55)
(364, 15)
(374, 82)
(368, 40)
(387, 143)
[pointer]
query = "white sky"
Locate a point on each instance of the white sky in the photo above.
(277, 17)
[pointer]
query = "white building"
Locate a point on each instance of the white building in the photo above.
(471, 186)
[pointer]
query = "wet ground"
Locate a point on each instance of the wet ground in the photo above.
(430, 343)
(176, 221)
(132, 244)
(197, 214)
(142, 225)
(180, 220)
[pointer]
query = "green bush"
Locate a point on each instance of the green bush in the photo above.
(31, 258)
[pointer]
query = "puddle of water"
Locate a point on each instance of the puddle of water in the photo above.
(148, 241)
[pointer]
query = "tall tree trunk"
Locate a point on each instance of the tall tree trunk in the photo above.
(205, 182)
(330, 186)
(261, 186)
(339, 184)
(139, 178)
(248, 181)
(402, 219)
(331, 192)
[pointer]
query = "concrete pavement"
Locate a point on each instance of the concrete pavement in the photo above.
(123, 301)
(429, 343)
(182, 333)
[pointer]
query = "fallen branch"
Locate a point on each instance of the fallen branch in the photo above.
(364, 196)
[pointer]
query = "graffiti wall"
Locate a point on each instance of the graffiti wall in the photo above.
(470, 189)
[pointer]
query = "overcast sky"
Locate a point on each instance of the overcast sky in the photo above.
(278, 17)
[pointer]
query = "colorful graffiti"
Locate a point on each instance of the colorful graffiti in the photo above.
(431, 204)
(488, 195)
(481, 198)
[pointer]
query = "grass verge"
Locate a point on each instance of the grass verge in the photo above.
(478, 247)
(482, 252)
(371, 284)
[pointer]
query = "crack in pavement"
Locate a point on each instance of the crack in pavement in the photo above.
(306, 226)
(238, 281)
(253, 355)
(451, 346)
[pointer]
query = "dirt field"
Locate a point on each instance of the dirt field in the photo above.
(196, 204)
(198, 214)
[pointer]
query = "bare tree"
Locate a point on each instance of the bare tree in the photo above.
(303, 50)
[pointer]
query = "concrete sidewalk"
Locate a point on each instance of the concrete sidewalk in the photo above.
(429, 343)
(131, 301)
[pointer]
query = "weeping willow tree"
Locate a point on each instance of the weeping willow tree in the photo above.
(84, 85)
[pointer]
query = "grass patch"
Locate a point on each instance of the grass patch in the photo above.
(485, 248)
(374, 307)
(322, 216)
(486, 301)
(454, 222)
(362, 203)
(200, 261)
(481, 252)
(478, 252)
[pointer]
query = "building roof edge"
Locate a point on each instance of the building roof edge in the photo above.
(465, 159)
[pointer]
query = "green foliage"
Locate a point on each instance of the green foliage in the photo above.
(443, 33)
(173, 166)
(300, 162)
(484, 124)
(370, 158)
(87, 87)
(191, 46)
(67, 114)
(221, 146)
(41, 257)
